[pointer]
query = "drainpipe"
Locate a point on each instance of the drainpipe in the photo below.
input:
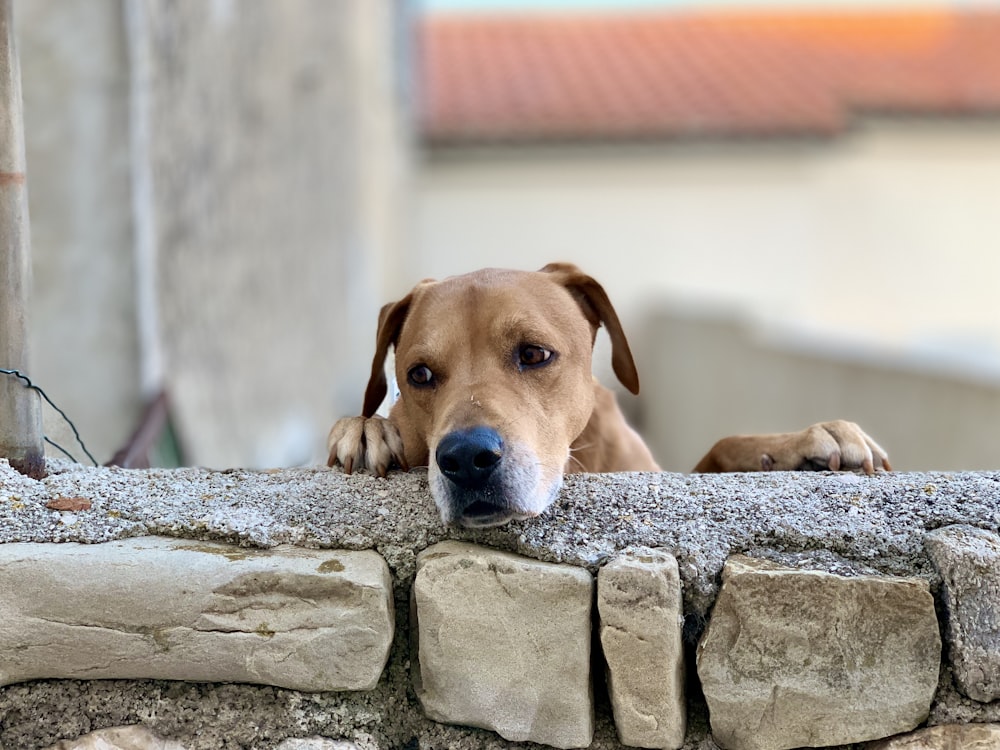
(21, 437)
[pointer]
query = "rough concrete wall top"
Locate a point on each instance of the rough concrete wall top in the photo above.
(840, 522)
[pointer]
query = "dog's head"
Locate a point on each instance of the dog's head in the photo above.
(494, 374)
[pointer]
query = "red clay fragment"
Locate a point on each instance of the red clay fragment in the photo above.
(68, 503)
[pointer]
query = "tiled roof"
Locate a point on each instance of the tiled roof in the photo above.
(635, 75)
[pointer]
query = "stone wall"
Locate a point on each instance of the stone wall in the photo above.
(292, 609)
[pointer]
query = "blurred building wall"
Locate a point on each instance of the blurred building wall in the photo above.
(84, 342)
(216, 200)
(888, 231)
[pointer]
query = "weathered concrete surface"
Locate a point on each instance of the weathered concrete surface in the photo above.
(641, 614)
(968, 560)
(946, 737)
(795, 658)
(172, 609)
(504, 644)
(876, 523)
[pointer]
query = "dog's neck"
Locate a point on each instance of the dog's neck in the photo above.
(607, 443)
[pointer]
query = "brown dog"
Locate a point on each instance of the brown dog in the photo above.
(494, 373)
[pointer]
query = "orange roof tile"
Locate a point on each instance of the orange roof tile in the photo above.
(724, 73)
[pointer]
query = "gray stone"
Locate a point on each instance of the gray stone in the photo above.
(504, 644)
(316, 743)
(968, 560)
(184, 610)
(795, 658)
(118, 738)
(641, 613)
(948, 737)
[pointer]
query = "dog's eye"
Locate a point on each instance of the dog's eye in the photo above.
(420, 376)
(533, 356)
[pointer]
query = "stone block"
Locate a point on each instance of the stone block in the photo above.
(800, 658)
(968, 560)
(947, 737)
(175, 609)
(641, 613)
(316, 743)
(118, 738)
(140, 738)
(504, 644)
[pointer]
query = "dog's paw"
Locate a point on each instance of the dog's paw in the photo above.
(371, 443)
(837, 446)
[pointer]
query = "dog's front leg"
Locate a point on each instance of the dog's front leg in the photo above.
(371, 443)
(834, 446)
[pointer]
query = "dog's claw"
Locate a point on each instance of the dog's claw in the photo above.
(365, 443)
(841, 445)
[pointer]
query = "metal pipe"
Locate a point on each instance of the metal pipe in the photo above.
(21, 436)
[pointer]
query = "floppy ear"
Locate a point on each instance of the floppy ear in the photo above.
(390, 322)
(597, 308)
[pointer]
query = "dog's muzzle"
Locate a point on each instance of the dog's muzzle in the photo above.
(479, 480)
(469, 457)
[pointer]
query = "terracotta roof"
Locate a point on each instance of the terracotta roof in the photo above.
(724, 73)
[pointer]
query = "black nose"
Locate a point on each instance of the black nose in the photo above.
(468, 457)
